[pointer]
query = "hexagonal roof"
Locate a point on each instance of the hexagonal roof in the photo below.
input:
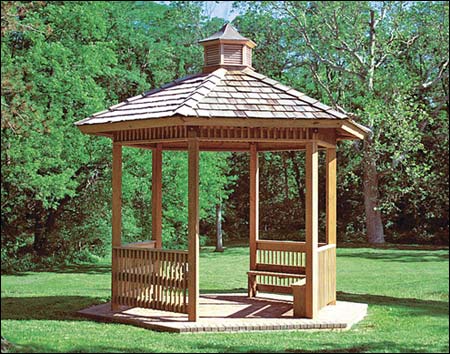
(222, 93)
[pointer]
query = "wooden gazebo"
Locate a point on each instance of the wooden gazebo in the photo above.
(227, 107)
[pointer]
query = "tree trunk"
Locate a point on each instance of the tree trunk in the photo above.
(300, 189)
(44, 225)
(219, 240)
(286, 177)
(40, 236)
(374, 223)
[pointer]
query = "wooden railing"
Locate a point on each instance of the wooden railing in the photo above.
(327, 275)
(150, 278)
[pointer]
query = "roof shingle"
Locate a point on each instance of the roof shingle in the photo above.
(222, 93)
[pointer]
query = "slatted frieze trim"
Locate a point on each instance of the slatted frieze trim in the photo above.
(327, 275)
(221, 133)
(249, 133)
(151, 278)
(151, 134)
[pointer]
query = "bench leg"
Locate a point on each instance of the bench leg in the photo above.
(299, 300)
(251, 285)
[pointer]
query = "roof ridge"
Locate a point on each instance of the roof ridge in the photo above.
(163, 87)
(187, 107)
(293, 92)
(141, 95)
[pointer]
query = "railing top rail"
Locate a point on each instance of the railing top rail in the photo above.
(326, 247)
(274, 245)
(288, 246)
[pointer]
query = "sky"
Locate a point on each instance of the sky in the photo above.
(222, 9)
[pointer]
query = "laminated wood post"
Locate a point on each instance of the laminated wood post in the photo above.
(254, 216)
(193, 226)
(312, 221)
(331, 213)
(331, 196)
(157, 195)
(116, 218)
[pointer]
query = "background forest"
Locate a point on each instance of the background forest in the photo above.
(386, 62)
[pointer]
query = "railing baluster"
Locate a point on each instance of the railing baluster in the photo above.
(151, 278)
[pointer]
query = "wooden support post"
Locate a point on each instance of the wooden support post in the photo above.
(157, 195)
(254, 215)
(116, 217)
(193, 226)
(312, 223)
(331, 213)
(331, 196)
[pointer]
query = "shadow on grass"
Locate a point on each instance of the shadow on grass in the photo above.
(223, 291)
(411, 256)
(84, 269)
(208, 252)
(394, 246)
(61, 308)
(416, 307)
(88, 268)
(87, 348)
(200, 345)
(381, 346)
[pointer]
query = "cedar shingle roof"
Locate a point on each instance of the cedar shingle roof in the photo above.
(222, 94)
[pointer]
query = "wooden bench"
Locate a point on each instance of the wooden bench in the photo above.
(299, 293)
(296, 288)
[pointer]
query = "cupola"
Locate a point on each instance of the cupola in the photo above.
(227, 49)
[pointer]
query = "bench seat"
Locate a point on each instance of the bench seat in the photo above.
(254, 287)
(276, 274)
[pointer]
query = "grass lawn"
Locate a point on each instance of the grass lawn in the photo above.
(407, 293)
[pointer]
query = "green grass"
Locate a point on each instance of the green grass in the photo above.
(407, 293)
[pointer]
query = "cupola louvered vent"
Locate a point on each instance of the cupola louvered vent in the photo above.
(212, 55)
(232, 54)
(227, 49)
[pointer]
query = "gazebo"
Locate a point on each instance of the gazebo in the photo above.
(227, 107)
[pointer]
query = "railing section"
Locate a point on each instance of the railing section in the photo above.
(327, 275)
(283, 262)
(150, 278)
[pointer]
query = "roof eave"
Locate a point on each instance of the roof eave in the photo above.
(247, 42)
(347, 128)
(352, 130)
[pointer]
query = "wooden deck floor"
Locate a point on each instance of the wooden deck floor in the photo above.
(233, 313)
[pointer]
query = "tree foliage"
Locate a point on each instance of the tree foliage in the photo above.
(387, 62)
(62, 61)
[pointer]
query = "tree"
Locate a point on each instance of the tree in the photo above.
(61, 62)
(375, 59)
